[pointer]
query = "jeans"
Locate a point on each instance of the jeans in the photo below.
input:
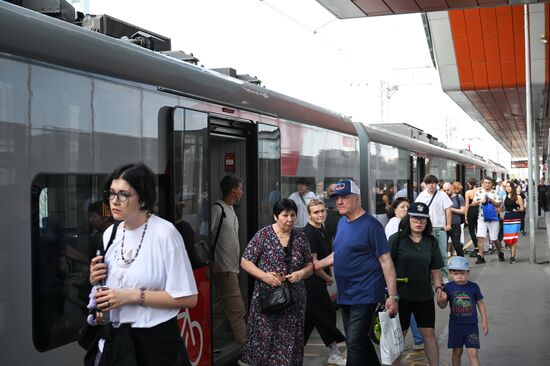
(441, 236)
(357, 321)
(417, 337)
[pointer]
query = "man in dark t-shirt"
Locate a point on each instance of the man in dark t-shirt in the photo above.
(362, 268)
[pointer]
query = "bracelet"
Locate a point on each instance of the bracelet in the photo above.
(438, 288)
(142, 297)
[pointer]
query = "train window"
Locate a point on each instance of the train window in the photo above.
(14, 93)
(60, 99)
(68, 219)
(117, 115)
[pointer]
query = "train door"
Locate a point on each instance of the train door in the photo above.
(229, 148)
(185, 202)
(244, 149)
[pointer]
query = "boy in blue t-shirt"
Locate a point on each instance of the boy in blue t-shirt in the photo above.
(463, 297)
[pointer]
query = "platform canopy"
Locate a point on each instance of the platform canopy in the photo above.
(479, 49)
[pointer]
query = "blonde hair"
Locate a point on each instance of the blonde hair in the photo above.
(313, 202)
(457, 186)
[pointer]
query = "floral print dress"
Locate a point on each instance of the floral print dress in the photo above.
(276, 339)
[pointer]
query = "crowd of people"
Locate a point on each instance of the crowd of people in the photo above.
(311, 244)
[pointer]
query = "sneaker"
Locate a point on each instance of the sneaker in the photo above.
(500, 257)
(242, 363)
(492, 250)
(336, 359)
(449, 254)
(418, 347)
(480, 260)
(473, 254)
(512, 260)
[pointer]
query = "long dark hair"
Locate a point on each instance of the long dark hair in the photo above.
(405, 227)
(514, 193)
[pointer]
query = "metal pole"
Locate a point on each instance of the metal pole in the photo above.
(536, 168)
(528, 122)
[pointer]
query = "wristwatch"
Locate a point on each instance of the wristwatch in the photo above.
(394, 298)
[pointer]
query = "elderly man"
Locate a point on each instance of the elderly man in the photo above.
(362, 268)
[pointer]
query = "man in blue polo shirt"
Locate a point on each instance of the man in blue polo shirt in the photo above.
(362, 268)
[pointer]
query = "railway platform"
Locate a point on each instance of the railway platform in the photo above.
(517, 298)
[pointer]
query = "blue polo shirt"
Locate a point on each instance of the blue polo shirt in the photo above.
(357, 271)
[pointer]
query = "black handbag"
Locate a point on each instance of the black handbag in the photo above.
(274, 300)
(88, 335)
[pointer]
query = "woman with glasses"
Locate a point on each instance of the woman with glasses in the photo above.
(415, 253)
(275, 254)
(147, 277)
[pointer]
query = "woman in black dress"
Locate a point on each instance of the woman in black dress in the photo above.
(320, 312)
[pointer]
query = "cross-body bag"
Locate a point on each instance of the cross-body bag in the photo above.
(279, 298)
(88, 335)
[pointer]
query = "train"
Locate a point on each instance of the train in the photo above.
(76, 103)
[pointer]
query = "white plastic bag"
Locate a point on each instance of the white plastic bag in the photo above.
(391, 340)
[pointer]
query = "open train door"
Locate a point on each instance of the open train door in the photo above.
(184, 141)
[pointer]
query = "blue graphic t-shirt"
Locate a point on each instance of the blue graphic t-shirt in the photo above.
(463, 301)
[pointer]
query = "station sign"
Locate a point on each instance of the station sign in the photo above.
(519, 164)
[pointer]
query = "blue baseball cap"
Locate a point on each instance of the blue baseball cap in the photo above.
(459, 264)
(345, 187)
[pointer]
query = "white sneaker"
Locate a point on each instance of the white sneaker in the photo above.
(337, 359)
(242, 363)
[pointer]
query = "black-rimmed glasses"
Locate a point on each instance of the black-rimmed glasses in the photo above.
(122, 196)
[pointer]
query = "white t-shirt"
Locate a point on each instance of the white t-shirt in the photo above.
(161, 265)
(302, 216)
(438, 206)
(392, 227)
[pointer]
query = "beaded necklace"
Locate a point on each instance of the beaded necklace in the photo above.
(130, 261)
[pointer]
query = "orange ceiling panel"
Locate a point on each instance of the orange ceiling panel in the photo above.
(489, 49)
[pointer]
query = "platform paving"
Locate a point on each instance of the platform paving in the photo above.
(518, 306)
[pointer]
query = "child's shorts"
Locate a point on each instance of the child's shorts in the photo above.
(463, 335)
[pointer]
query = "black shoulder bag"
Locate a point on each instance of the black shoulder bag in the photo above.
(279, 298)
(88, 335)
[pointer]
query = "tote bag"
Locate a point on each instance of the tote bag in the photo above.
(391, 339)
(489, 212)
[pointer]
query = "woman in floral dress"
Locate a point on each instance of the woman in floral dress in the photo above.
(277, 339)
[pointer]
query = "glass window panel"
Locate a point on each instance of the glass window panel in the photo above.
(60, 99)
(269, 168)
(190, 137)
(116, 109)
(14, 92)
(68, 220)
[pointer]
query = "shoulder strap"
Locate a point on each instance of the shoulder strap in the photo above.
(302, 198)
(429, 203)
(111, 239)
(217, 231)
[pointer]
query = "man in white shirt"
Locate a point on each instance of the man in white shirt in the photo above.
(483, 196)
(301, 198)
(440, 216)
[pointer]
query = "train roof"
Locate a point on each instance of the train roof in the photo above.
(32, 35)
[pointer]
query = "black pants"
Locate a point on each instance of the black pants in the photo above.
(320, 313)
(160, 345)
(473, 213)
(454, 234)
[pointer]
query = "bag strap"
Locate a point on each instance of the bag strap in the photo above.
(302, 198)
(111, 239)
(429, 203)
(217, 231)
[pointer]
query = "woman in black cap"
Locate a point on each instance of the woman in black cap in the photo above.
(415, 254)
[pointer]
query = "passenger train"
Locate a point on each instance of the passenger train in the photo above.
(75, 104)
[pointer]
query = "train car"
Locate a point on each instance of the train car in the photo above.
(75, 104)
